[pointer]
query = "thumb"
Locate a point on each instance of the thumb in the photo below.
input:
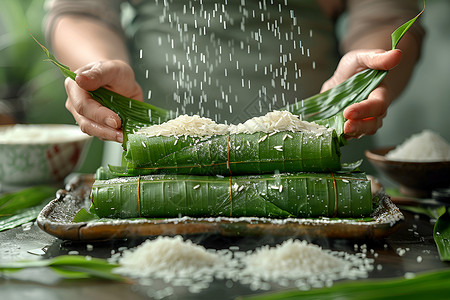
(113, 74)
(379, 60)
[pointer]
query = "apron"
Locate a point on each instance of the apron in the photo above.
(231, 60)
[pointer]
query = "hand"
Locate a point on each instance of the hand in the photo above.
(365, 117)
(93, 118)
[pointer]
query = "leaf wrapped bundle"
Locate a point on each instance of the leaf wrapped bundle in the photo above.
(232, 154)
(275, 196)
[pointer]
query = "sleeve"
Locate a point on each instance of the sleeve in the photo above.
(365, 16)
(105, 11)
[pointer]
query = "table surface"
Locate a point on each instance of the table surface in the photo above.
(393, 257)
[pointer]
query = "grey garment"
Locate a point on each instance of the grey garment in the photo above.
(231, 61)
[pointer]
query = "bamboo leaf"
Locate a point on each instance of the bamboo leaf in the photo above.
(355, 89)
(23, 206)
(441, 234)
(133, 113)
(69, 266)
(431, 285)
(84, 216)
(233, 154)
(276, 196)
(399, 32)
(11, 203)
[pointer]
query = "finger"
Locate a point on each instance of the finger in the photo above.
(98, 130)
(80, 102)
(359, 128)
(378, 60)
(115, 75)
(375, 105)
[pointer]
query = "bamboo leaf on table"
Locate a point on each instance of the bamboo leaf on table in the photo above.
(430, 285)
(441, 234)
(69, 266)
(21, 207)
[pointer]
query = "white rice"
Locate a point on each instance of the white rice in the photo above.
(33, 134)
(167, 258)
(276, 121)
(197, 126)
(426, 146)
(186, 125)
(294, 262)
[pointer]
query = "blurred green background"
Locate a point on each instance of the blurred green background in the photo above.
(38, 87)
(32, 89)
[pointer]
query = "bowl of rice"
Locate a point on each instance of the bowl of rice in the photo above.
(419, 165)
(39, 154)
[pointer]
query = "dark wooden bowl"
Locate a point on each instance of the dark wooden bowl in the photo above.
(416, 179)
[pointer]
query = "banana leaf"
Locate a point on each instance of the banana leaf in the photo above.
(275, 196)
(232, 154)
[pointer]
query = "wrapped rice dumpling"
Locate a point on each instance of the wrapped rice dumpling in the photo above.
(278, 141)
(269, 195)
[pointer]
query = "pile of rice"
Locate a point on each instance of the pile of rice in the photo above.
(33, 134)
(426, 146)
(186, 125)
(294, 262)
(197, 126)
(171, 259)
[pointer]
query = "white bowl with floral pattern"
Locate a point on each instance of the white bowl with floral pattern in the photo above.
(40, 153)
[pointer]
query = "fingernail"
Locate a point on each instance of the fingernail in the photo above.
(119, 137)
(111, 122)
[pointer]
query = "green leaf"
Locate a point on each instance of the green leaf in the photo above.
(431, 285)
(27, 215)
(69, 266)
(233, 154)
(276, 196)
(133, 113)
(23, 206)
(441, 234)
(399, 32)
(11, 203)
(355, 89)
(84, 216)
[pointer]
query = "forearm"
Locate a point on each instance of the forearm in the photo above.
(78, 41)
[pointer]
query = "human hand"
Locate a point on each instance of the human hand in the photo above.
(92, 117)
(365, 117)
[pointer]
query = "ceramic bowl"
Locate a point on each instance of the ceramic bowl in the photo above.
(37, 154)
(415, 179)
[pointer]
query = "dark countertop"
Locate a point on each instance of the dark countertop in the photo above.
(394, 256)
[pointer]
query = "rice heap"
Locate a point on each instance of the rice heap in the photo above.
(276, 121)
(167, 258)
(426, 146)
(33, 134)
(294, 262)
(198, 126)
(186, 125)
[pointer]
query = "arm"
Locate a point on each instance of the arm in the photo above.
(367, 45)
(98, 54)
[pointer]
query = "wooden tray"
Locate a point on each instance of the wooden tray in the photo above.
(56, 219)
